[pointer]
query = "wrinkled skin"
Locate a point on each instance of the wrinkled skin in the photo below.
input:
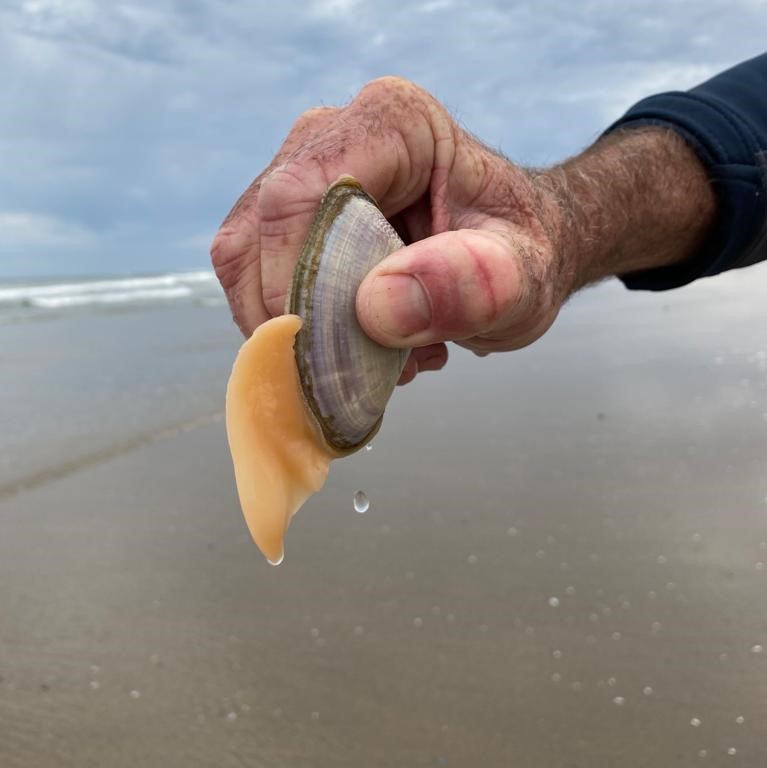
(480, 268)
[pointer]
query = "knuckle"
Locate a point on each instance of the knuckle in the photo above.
(225, 257)
(313, 117)
(387, 86)
(222, 252)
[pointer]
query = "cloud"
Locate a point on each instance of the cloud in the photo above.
(29, 230)
(141, 122)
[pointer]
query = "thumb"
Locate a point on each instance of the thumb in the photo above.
(448, 287)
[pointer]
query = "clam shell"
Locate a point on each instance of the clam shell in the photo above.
(346, 377)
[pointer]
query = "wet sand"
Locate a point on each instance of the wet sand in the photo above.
(561, 567)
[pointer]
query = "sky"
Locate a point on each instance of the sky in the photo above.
(128, 129)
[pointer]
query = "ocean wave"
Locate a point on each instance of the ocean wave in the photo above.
(104, 291)
(110, 297)
(200, 285)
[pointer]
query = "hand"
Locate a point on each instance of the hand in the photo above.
(493, 250)
(480, 268)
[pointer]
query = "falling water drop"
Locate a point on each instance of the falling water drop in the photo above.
(757, 648)
(647, 690)
(619, 700)
(369, 447)
(695, 722)
(740, 719)
(554, 602)
(732, 751)
(361, 502)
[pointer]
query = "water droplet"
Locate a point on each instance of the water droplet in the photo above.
(557, 654)
(540, 554)
(732, 751)
(95, 684)
(315, 716)
(230, 716)
(593, 618)
(554, 602)
(278, 561)
(512, 531)
(757, 648)
(369, 447)
(471, 559)
(314, 632)
(556, 678)
(647, 690)
(740, 719)
(134, 694)
(625, 604)
(619, 700)
(702, 753)
(611, 681)
(695, 722)
(576, 685)
(616, 635)
(661, 559)
(417, 621)
(569, 590)
(361, 502)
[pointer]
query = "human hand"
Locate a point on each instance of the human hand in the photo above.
(480, 268)
(493, 250)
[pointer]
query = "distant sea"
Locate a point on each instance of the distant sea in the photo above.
(33, 298)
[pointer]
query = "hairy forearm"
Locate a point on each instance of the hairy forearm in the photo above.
(636, 199)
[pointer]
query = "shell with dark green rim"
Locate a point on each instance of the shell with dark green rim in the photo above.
(346, 377)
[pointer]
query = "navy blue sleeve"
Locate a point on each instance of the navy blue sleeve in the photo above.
(725, 121)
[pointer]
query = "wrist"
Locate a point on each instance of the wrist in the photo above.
(635, 200)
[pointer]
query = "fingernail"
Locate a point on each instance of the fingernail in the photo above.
(398, 305)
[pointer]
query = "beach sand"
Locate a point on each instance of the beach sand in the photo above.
(561, 566)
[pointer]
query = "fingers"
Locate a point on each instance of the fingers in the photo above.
(453, 286)
(392, 138)
(236, 249)
(430, 358)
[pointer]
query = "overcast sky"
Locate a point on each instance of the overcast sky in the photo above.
(127, 129)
